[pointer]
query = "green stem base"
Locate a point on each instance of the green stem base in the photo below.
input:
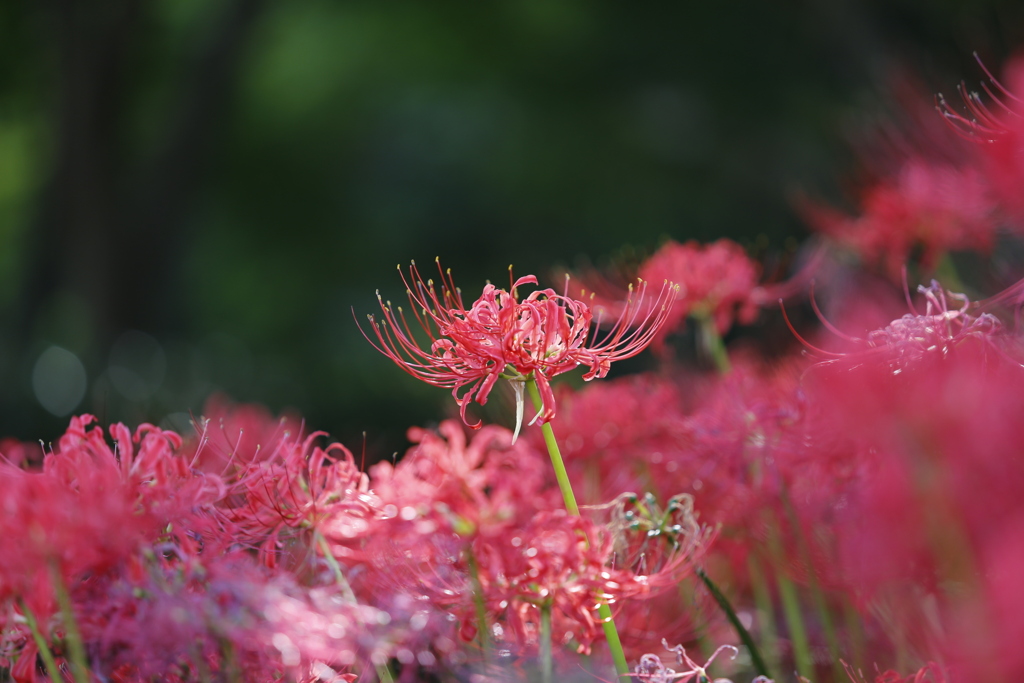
(611, 633)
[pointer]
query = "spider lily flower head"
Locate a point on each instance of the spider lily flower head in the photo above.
(998, 127)
(717, 282)
(927, 206)
(944, 326)
(503, 336)
(920, 190)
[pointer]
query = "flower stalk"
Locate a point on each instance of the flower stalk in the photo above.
(730, 613)
(712, 342)
(339, 576)
(793, 614)
(611, 633)
(478, 601)
(76, 649)
(556, 455)
(546, 663)
(44, 648)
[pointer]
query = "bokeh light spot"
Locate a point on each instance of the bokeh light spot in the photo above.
(58, 381)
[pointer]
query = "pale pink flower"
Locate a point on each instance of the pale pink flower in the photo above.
(652, 670)
(944, 326)
(502, 336)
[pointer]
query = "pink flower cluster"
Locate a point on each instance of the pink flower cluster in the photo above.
(253, 552)
(152, 552)
(883, 484)
(480, 524)
(852, 505)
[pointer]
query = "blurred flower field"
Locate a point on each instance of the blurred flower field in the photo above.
(844, 506)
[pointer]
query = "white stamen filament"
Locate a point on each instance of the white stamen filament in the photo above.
(519, 387)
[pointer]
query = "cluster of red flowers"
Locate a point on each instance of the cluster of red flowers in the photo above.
(252, 552)
(829, 513)
(941, 191)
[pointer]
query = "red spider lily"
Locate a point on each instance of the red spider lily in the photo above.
(999, 129)
(447, 499)
(936, 207)
(716, 280)
(231, 435)
(924, 533)
(487, 483)
(296, 489)
(718, 438)
(454, 508)
(944, 326)
(153, 554)
(924, 191)
(503, 336)
(90, 508)
(717, 284)
(171, 616)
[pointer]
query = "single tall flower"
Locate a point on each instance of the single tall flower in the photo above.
(501, 336)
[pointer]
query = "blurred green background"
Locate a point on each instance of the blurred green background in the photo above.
(195, 193)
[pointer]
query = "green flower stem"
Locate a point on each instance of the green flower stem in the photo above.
(765, 609)
(546, 662)
(713, 343)
(611, 633)
(793, 613)
(199, 662)
(384, 674)
(817, 594)
(946, 272)
(339, 576)
(76, 650)
(556, 455)
(797, 630)
(855, 633)
(730, 613)
(44, 649)
(478, 600)
(232, 673)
